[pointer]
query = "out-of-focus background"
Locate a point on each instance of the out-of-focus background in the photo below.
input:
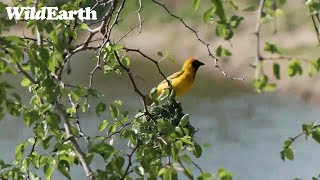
(244, 130)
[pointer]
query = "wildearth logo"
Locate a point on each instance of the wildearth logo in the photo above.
(50, 13)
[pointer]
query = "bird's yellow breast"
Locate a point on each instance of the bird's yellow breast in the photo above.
(181, 85)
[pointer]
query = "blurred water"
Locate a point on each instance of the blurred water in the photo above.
(246, 134)
(245, 130)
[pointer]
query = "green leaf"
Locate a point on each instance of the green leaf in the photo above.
(25, 82)
(272, 48)
(316, 135)
(179, 131)
(250, 8)
(102, 148)
(276, 70)
(308, 128)
(174, 153)
(197, 150)
(223, 30)
(219, 9)
(119, 162)
(13, 108)
(30, 117)
(310, 70)
(172, 96)
(114, 111)
(186, 159)
(64, 168)
(261, 82)
(234, 4)
(117, 47)
(57, 38)
(205, 176)
(25, 164)
(83, 26)
(103, 125)
(294, 67)
(235, 21)
(153, 95)
(270, 87)
(49, 168)
(126, 61)
(222, 52)
(208, 15)
(19, 150)
(184, 120)
(159, 53)
(46, 142)
(223, 174)
(101, 107)
(53, 120)
(288, 153)
(196, 4)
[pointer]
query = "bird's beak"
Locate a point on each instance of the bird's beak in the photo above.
(201, 63)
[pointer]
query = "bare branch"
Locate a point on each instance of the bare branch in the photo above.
(115, 21)
(135, 88)
(152, 60)
(130, 30)
(20, 70)
(80, 154)
(196, 165)
(316, 28)
(31, 151)
(201, 40)
(184, 170)
(102, 28)
(77, 119)
(129, 162)
(139, 16)
(117, 132)
(257, 33)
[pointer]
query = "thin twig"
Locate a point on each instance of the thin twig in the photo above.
(92, 32)
(184, 170)
(77, 119)
(139, 16)
(315, 27)
(257, 33)
(129, 162)
(292, 139)
(135, 88)
(115, 21)
(196, 165)
(31, 79)
(129, 31)
(31, 151)
(202, 42)
(117, 132)
(152, 60)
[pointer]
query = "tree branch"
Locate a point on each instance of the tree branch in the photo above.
(20, 70)
(80, 154)
(129, 162)
(135, 88)
(201, 40)
(77, 119)
(257, 33)
(152, 60)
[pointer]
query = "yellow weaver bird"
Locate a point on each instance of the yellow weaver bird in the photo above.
(183, 80)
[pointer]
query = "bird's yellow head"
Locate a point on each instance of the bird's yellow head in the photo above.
(192, 64)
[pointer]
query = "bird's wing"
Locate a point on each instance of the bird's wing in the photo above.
(171, 77)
